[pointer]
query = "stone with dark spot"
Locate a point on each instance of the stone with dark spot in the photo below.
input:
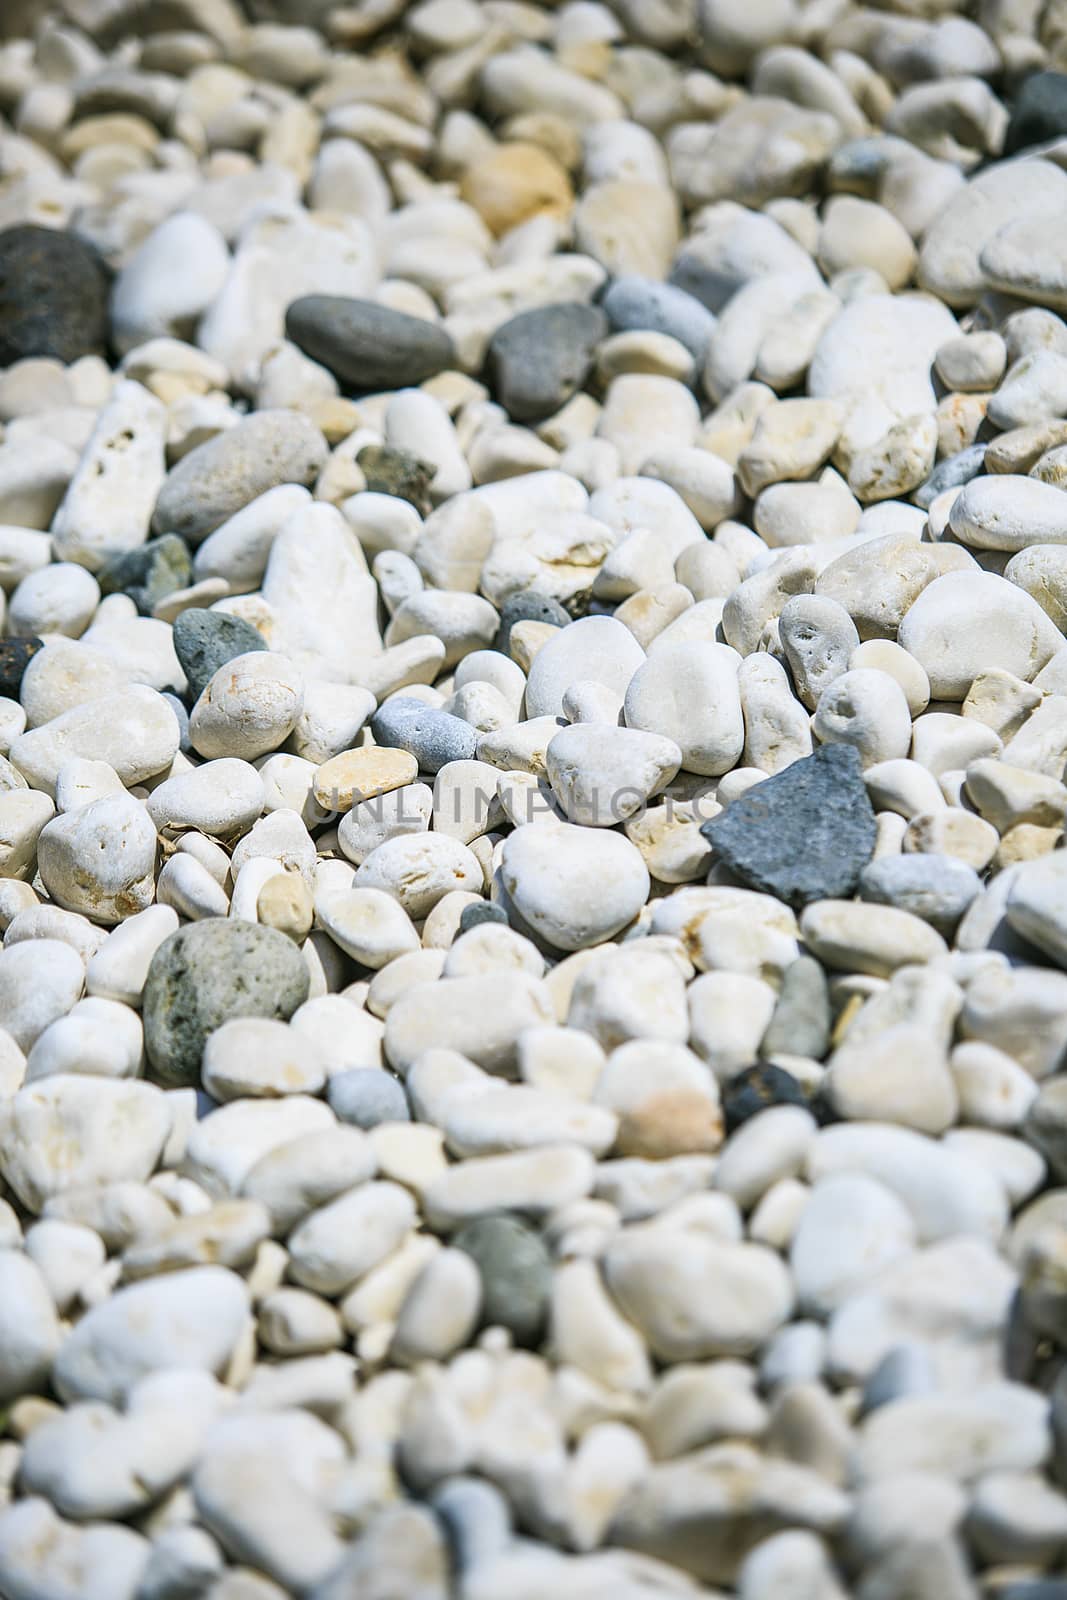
(526, 605)
(756, 1089)
(395, 472)
(540, 358)
(53, 295)
(1039, 112)
(806, 834)
(205, 640)
(366, 345)
(15, 657)
(208, 973)
(516, 1272)
(149, 573)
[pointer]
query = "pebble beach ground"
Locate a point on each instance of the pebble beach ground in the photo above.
(533, 723)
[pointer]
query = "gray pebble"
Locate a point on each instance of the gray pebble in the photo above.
(516, 1273)
(801, 1022)
(806, 834)
(366, 345)
(950, 474)
(218, 478)
(641, 304)
(149, 573)
(433, 737)
(905, 1370)
(484, 911)
(205, 640)
(937, 888)
(539, 358)
(204, 975)
(365, 1096)
(526, 605)
(477, 1519)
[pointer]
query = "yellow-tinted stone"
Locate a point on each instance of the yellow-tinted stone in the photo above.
(285, 903)
(516, 182)
(361, 774)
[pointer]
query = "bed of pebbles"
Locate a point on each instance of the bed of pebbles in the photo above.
(533, 712)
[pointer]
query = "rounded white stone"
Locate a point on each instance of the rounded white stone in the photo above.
(575, 887)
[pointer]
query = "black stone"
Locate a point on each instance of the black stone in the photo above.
(526, 605)
(365, 345)
(516, 1273)
(806, 834)
(395, 472)
(53, 295)
(15, 657)
(485, 911)
(756, 1089)
(205, 640)
(149, 573)
(1039, 113)
(539, 358)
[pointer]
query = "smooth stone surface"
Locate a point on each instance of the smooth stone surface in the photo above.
(573, 887)
(540, 358)
(205, 640)
(367, 345)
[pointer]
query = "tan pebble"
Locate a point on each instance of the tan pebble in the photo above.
(527, 638)
(336, 418)
(953, 832)
(1025, 842)
(285, 903)
(362, 774)
(515, 182)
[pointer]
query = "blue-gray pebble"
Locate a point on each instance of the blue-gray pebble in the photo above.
(366, 1096)
(205, 640)
(433, 737)
(641, 304)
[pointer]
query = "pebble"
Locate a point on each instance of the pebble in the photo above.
(367, 345)
(53, 295)
(206, 974)
(540, 358)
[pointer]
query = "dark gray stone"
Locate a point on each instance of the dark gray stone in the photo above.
(433, 737)
(526, 605)
(1039, 112)
(398, 473)
(641, 304)
(149, 573)
(1045, 1124)
(366, 345)
(485, 911)
(539, 358)
(937, 888)
(806, 834)
(207, 973)
(53, 295)
(801, 1022)
(516, 1273)
(365, 1096)
(15, 657)
(205, 640)
(756, 1089)
(951, 473)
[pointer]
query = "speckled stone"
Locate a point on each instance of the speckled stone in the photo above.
(15, 657)
(150, 573)
(205, 640)
(433, 737)
(398, 473)
(526, 605)
(53, 295)
(806, 834)
(204, 975)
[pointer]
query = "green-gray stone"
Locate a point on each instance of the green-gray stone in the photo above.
(516, 1273)
(399, 473)
(207, 973)
(149, 573)
(205, 640)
